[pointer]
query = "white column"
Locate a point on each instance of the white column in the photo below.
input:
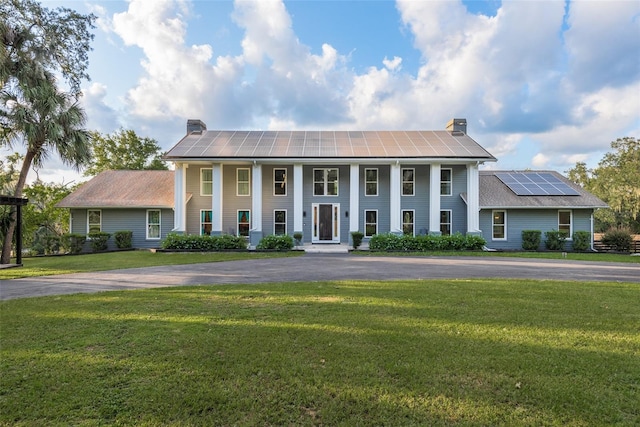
(354, 197)
(395, 199)
(298, 221)
(256, 197)
(179, 197)
(434, 199)
(473, 199)
(216, 198)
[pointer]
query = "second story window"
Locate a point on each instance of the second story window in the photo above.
(408, 181)
(279, 182)
(325, 182)
(243, 182)
(206, 182)
(445, 182)
(371, 182)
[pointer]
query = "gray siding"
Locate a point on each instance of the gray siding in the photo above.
(454, 202)
(379, 202)
(342, 198)
(530, 219)
(197, 202)
(132, 219)
(271, 202)
(419, 202)
(231, 201)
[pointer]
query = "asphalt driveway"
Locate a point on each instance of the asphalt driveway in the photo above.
(317, 267)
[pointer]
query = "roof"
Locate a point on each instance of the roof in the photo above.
(124, 188)
(267, 145)
(495, 194)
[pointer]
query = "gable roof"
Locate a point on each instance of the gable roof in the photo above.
(252, 145)
(495, 194)
(124, 188)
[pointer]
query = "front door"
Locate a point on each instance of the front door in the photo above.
(326, 223)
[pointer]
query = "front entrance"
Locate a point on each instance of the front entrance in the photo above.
(326, 223)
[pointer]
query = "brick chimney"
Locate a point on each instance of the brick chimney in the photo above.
(195, 126)
(457, 126)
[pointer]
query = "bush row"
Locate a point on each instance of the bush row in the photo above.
(453, 242)
(619, 240)
(193, 242)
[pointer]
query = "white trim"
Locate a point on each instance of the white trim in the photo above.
(402, 181)
(298, 220)
(217, 198)
(88, 224)
(450, 221)
(450, 181)
(149, 224)
(248, 182)
(377, 181)
(365, 222)
(237, 220)
(570, 236)
(255, 187)
(413, 218)
(285, 220)
(202, 223)
(354, 197)
(395, 196)
(493, 224)
(202, 182)
(434, 198)
(284, 184)
(325, 181)
(335, 223)
(473, 199)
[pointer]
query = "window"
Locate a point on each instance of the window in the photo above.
(279, 182)
(244, 218)
(244, 184)
(206, 222)
(445, 222)
(371, 182)
(370, 223)
(499, 225)
(279, 222)
(153, 224)
(206, 182)
(407, 222)
(94, 221)
(564, 222)
(325, 182)
(445, 182)
(408, 179)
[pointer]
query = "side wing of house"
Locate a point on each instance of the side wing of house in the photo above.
(553, 203)
(136, 201)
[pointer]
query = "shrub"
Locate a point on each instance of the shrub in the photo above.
(356, 237)
(619, 239)
(297, 237)
(193, 242)
(581, 241)
(73, 242)
(123, 239)
(426, 243)
(278, 243)
(531, 239)
(554, 240)
(99, 240)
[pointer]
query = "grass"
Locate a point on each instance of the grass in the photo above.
(575, 256)
(51, 265)
(463, 352)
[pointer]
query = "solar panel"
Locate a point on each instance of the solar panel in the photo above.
(536, 184)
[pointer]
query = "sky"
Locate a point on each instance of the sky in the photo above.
(543, 84)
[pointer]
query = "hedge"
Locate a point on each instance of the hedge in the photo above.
(193, 242)
(277, 243)
(423, 243)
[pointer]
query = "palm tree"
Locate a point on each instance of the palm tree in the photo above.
(43, 118)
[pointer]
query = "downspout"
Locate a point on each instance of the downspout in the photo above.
(592, 236)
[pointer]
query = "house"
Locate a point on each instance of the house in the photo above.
(327, 184)
(139, 201)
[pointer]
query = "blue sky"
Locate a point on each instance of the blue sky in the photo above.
(542, 84)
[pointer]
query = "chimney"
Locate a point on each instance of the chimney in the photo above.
(196, 126)
(457, 126)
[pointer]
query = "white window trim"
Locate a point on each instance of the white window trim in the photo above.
(326, 182)
(367, 182)
(275, 182)
(570, 236)
(248, 182)
(94, 210)
(159, 224)
(365, 222)
(413, 216)
(202, 182)
(402, 181)
(450, 181)
(493, 224)
(238, 222)
(450, 220)
(202, 223)
(285, 220)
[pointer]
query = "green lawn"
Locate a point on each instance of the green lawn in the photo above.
(41, 266)
(462, 352)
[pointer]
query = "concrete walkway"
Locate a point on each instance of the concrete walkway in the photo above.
(318, 267)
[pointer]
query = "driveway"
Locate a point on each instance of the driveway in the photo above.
(317, 267)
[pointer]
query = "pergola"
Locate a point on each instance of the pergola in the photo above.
(18, 202)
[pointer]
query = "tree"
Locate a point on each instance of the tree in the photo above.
(36, 44)
(123, 150)
(616, 180)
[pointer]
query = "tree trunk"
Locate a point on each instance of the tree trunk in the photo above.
(5, 258)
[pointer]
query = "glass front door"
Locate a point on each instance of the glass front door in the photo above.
(326, 223)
